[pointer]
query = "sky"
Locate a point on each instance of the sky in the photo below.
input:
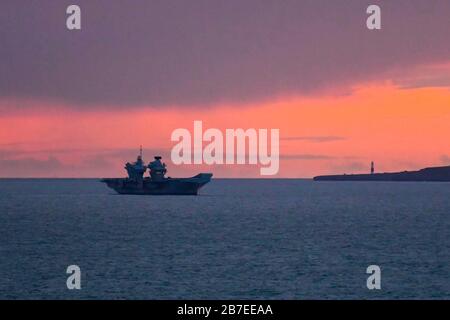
(80, 103)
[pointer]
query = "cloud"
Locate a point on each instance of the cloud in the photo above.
(80, 162)
(445, 159)
(30, 167)
(198, 53)
(436, 76)
(351, 167)
(305, 157)
(316, 139)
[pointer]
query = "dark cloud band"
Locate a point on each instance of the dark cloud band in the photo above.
(198, 53)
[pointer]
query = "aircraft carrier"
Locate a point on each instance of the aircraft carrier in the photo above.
(156, 183)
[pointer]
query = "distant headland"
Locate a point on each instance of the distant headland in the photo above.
(437, 174)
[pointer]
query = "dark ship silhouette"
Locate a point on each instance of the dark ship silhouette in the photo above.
(437, 174)
(157, 183)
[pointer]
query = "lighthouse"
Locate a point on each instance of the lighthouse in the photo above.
(372, 168)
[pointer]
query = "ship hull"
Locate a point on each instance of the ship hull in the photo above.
(167, 186)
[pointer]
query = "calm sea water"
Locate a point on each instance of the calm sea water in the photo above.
(240, 239)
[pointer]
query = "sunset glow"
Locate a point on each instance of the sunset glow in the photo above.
(396, 128)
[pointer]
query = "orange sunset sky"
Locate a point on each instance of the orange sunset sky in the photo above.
(397, 128)
(80, 103)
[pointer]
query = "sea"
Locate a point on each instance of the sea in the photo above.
(239, 239)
